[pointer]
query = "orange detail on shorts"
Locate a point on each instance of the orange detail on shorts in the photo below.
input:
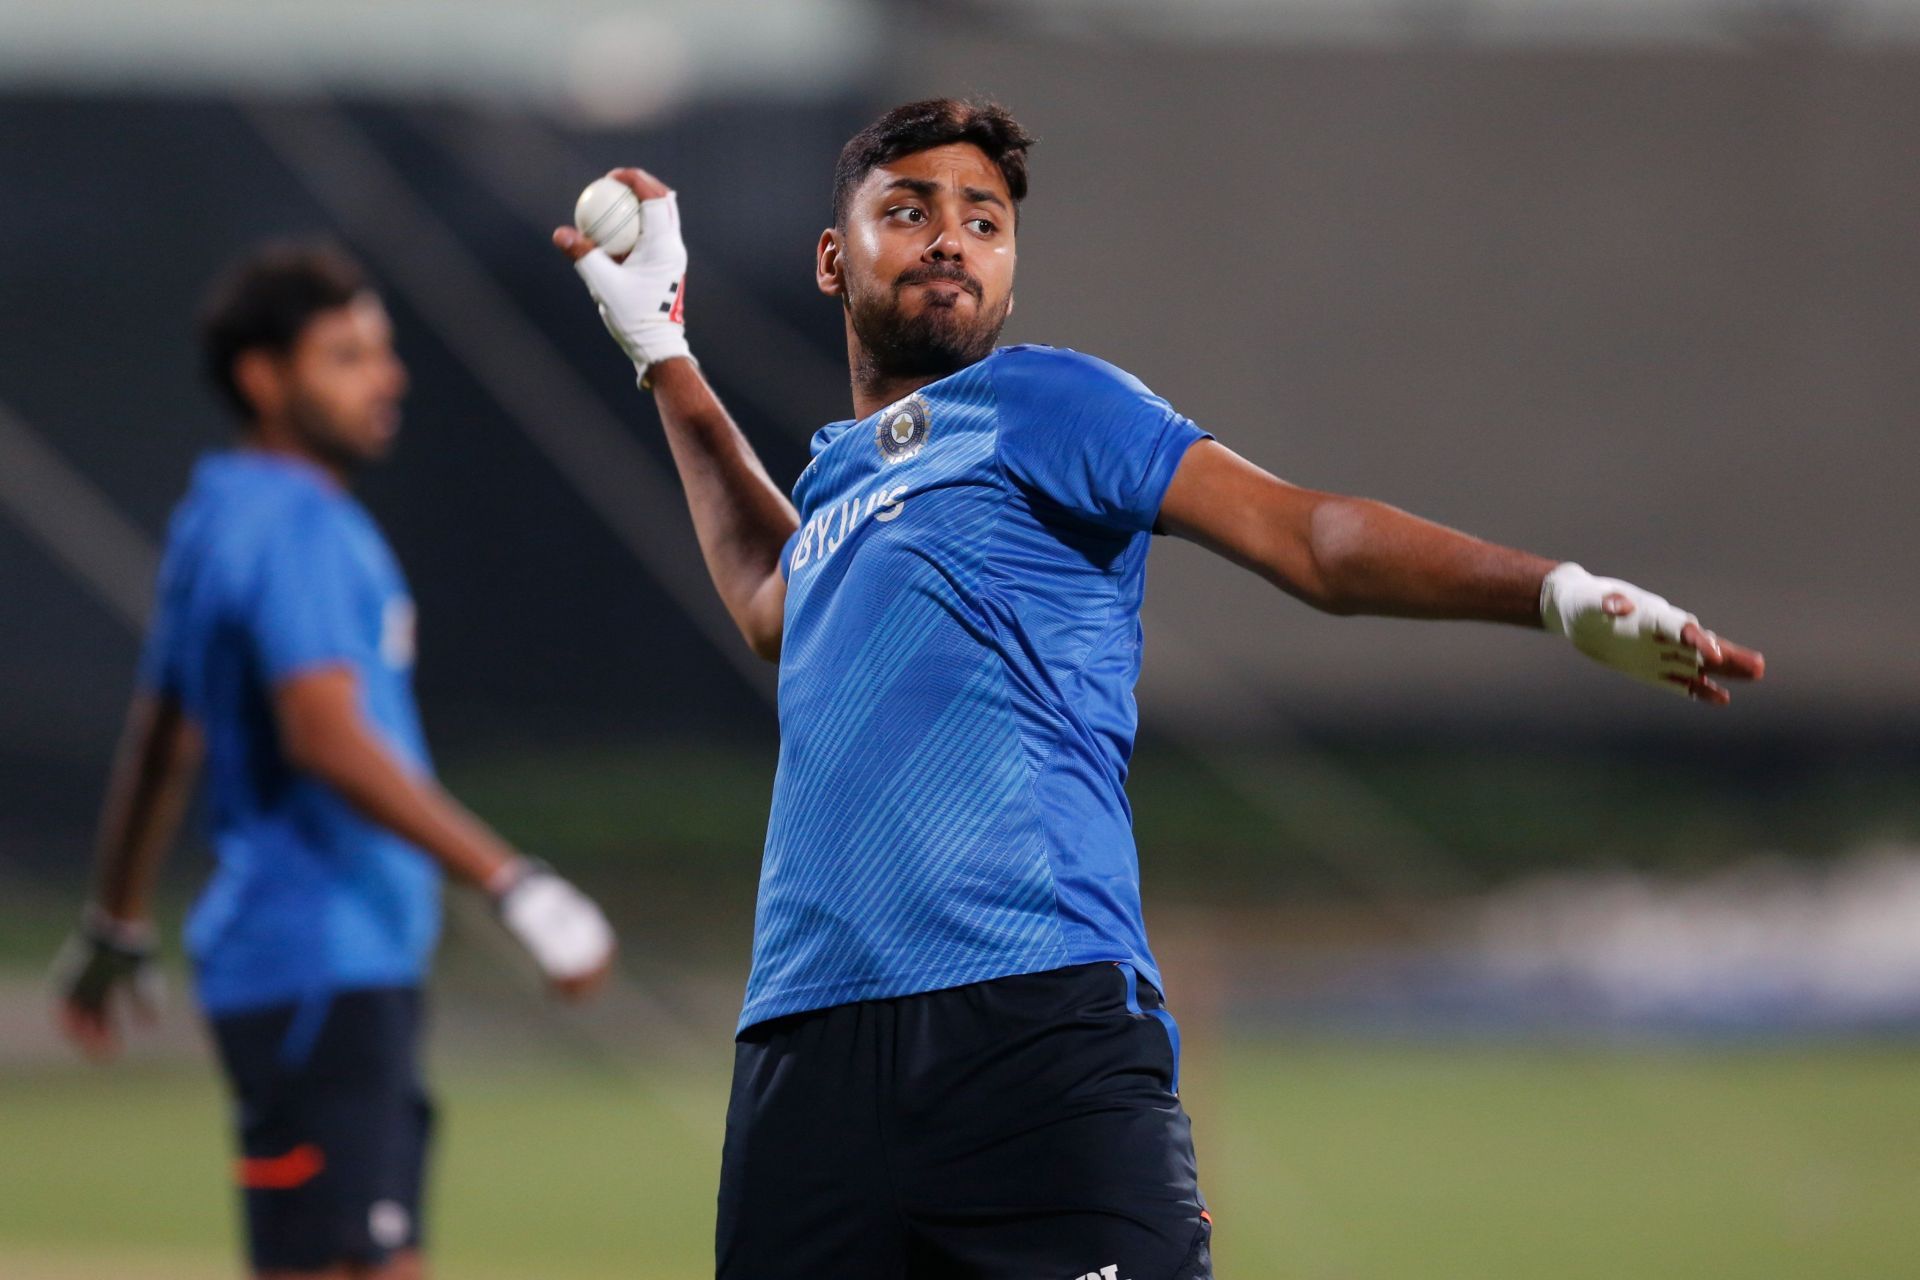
(1206, 1217)
(282, 1173)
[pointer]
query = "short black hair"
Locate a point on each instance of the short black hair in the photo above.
(265, 300)
(933, 122)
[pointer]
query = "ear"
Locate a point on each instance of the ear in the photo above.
(827, 266)
(257, 374)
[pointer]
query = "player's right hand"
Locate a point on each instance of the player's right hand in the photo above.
(1642, 635)
(107, 966)
(562, 929)
(642, 299)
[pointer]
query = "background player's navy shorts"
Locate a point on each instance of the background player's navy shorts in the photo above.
(1020, 1129)
(333, 1125)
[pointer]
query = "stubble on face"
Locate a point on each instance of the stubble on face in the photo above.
(345, 386)
(345, 446)
(940, 336)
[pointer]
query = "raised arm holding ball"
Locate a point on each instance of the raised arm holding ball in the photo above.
(741, 517)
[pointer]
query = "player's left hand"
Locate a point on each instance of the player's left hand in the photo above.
(1642, 635)
(107, 966)
(642, 298)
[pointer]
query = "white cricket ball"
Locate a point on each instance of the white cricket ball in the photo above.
(608, 213)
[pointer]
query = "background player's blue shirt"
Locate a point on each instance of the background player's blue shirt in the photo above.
(271, 571)
(962, 638)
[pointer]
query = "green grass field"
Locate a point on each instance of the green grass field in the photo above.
(1323, 1162)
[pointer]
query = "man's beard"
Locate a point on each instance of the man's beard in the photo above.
(319, 434)
(933, 342)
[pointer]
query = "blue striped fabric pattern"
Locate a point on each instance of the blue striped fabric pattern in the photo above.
(961, 642)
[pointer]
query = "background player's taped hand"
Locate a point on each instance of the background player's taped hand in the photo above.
(1620, 625)
(567, 935)
(642, 300)
(105, 962)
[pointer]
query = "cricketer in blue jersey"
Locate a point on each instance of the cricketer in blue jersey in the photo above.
(954, 1058)
(281, 654)
(961, 642)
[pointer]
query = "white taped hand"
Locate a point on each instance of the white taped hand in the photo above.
(561, 928)
(1641, 639)
(642, 300)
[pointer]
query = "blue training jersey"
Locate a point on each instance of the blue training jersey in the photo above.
(962, 638)
(270, 571)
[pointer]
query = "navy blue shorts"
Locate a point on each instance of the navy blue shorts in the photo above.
(334, 1125)
(1025, 1128)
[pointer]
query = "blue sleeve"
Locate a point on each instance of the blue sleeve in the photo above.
(1087, 437)
(308, 595)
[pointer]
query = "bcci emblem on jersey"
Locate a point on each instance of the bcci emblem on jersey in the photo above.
(902, 432)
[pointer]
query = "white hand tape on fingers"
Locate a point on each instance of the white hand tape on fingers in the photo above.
(597, 269)
(641, 298)
(659, 220)
(1640, 643)
(1559, 581)
(1666, 620)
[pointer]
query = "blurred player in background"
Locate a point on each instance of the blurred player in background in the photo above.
(282, 651)
(954, 1060)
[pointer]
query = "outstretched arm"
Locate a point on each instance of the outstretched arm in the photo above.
(741, 517)
(1355, 556)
